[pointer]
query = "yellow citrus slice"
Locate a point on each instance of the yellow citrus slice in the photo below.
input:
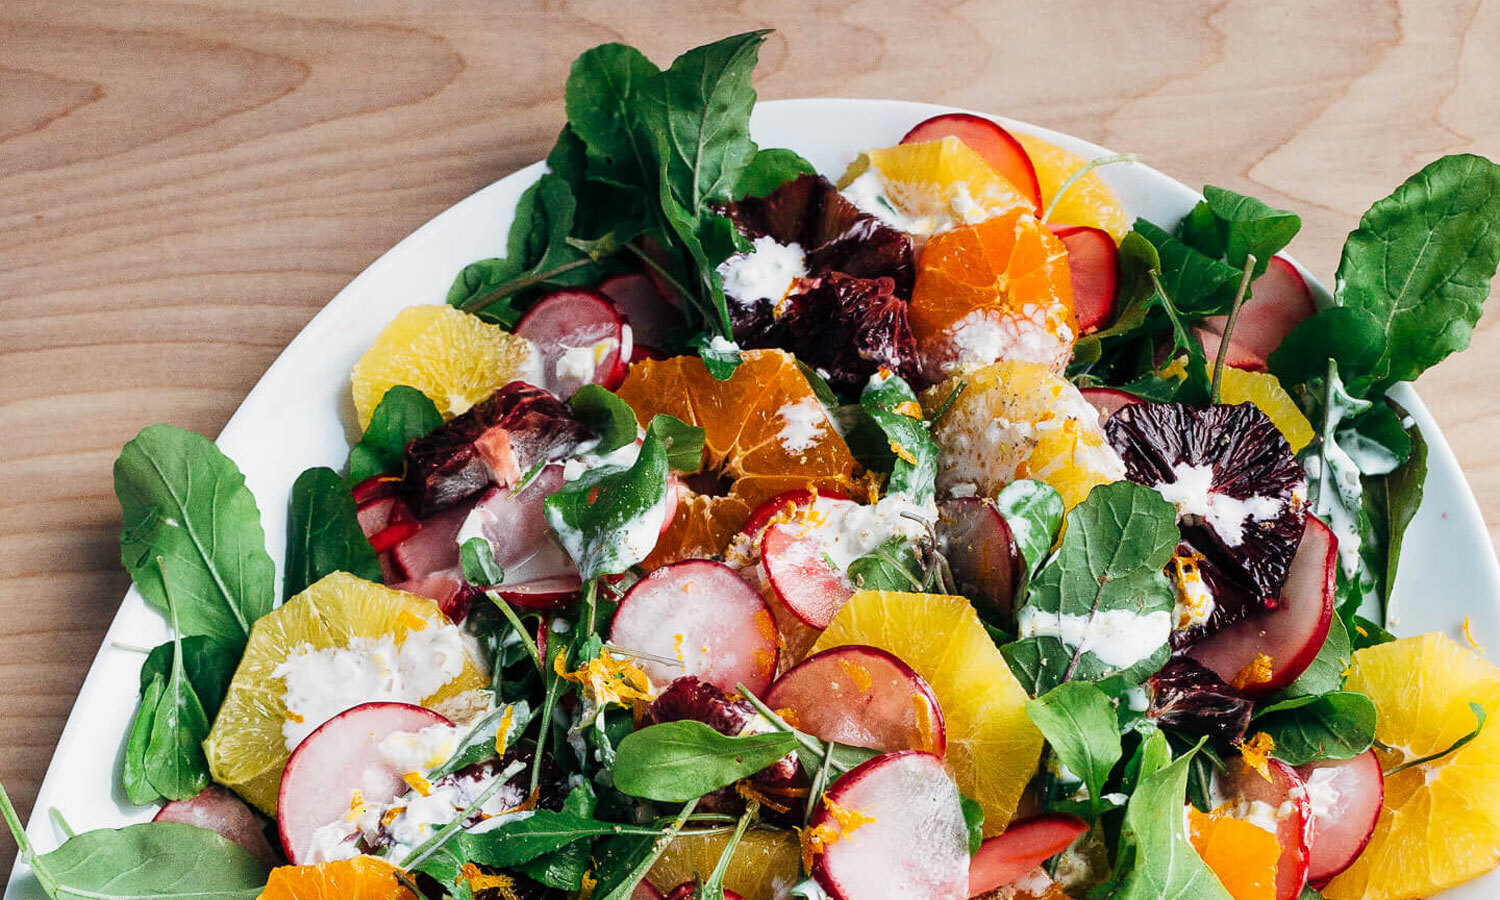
(1088, 202)
(1265, 391)
(1016, 419)
(247, 746)
(1441, 821)
(931, 185)
(992, 746)
(454, 358)
(765, 865)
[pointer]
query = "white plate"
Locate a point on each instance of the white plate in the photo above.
(300, 415)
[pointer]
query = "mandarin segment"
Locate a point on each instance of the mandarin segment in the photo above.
(1440, 825)
(765, 865)
(1090, 201)
(1265, 391)
(360, 878)
(454, 358)
(1243, 855)
(758, 436)
(992, 746)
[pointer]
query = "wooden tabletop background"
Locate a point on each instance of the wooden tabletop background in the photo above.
(183, 185)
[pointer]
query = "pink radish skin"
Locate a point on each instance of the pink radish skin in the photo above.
(572, 318)
(1291, 635)
(811, 588)
(981, 550)
(1093, 264)
(644, 890)
(998, 147)
(1346, 796)
(1279, 301)
(703, 613)
(340, 757)
(795, 499)
(1286, 795)
(653, 321)
(1019, 849)
(917, 845)
(538, 573)
(218, 809)
(685, 891)
(1108, 401)
(862, 696)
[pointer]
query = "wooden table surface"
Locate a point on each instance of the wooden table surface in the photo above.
(183, 185)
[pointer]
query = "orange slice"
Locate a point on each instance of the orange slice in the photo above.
(1088, 202)
(360, 878)
(931, 185)
(1241, 854)
(765, 865)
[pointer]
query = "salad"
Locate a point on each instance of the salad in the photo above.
(929, 529)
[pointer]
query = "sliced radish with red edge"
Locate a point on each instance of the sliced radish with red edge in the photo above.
(1020, 848)
(998, 147)
(802, 577)
(976, 540)
(702, 613)
(342, 756)
(862, 696)
(685, 891)
(1108, 400)
(654, 322)
(1279, 301)
(917, 844)
(1290, 635)
(1280, 795)
(1093, 264)
(570, 323)
(219, 810)
(1346, 796)
(538, 573)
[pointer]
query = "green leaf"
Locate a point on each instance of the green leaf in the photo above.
(323, 533)
(1155, 860)
(974, 821)
(603, 97)
(183, 500)
(174, 762)
(544, 831)
(138, 788)
(721, 361)
(478, 560)
(1367, 634)
(403, 415)
(1326, 672)
(478, 744)
(487, 277)
(210, 666)
(1376, 441)
(608, 519)
(892, 566)
(606, 415)
(166, 860)
(1109, 564)
(1034, 512)
(1232, 226)
(683, 443)
(1337, 725)
(769, 170)
(678, 761)
(1078, 720)
(1421, 262)
(1351, 337)
(892, 406)
(1196, 283)
(1400, 497)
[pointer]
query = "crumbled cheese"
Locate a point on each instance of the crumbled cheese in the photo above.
(987, 335)
(1117, 637)
(1323, 793)
(767, 271)
(720, 344)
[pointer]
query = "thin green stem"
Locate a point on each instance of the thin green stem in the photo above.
(423, 851)
(549, 704)
(590, 605)
(658, 268)
(714, 886)
(808, 742)
(515, 622)
(625, 888)
(61, 823)
(1083, 170)
(479, 301)
(1234, 314)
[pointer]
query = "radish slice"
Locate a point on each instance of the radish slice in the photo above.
(1108, 401)
(433, 548)
(218, 809)
(653, 321)
(1346, 796)
(645, 890)
(802, 577)
(1093, 263)
(538, 573)
(902, 834)
(1002, 151)
(1280, 799)
(342, 756)
(685, 891)
(1019, 849)
(1290, 635)
(1279, 301)
(702, 613)
(976, 541)
(783, 503)
(862, 696)
(582, 339)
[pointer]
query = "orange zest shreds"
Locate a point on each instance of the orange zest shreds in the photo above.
(483, 881)
(360, 878)
(410, 621)
(749, 793)
(1257, 671)
(586, 886)
(819, 837)
(1241, 854)
(1194, 600)
(926, 721)
(677, 646)
(857, 673)
(1469, 636)
(1257, 753)
(416, 782)
(606, 680)
(295, 717)
(909, 408)
(502, 733)
(902, 453)
(789, 716)
(391, 815)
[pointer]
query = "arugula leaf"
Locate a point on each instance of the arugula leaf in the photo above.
(608, 519)
(403, 415)
(1421, 262)
(973, 820)
(679, 761)
(605, 414)
(1336, 725)
(1233, 226)
(185, 501)
(1034, 512)
(603, 94)
(1326, 672)
(1078, 720)
(138, 787)
(1399, 496)
(565, 867)
(479, 744)
(1375, 440)
(892, 566)
(892, 406)
(1350, 337)
(209, 663)
(1109, 563)
(544, 831)
(1155, 860)
(487, 278)
(323, 534)
(626, 859)
(721, 361)
(174, 762)
(683, 442)
(1196, 283)
(769, 170)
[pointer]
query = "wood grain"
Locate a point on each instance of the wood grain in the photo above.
(183, 185)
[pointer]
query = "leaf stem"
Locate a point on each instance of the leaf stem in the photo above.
(810, 743)
(478, 302)
(1479, 717)
(61, 823)
(549, 705)
(623, 890)
(424, 850)
(1234, 315)
(714, 886)
(1083, 170)
(658, 268)
(515, 622)
(590, 604)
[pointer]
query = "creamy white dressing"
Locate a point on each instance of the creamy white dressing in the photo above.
(320, 684)
(1323, 793)
(721, 344)
(577, 466)
(985, 336)
(1117, 637)
(804, 424)
(768, 271)
(577, 365)
(1193, 494)
(845, 530)
(867, 192)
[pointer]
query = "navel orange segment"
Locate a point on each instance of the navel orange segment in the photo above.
(360, 878)
(1240, 853)
(1000, 289)
(764, 433)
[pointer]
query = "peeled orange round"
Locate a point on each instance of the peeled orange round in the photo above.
(1243, 855)
(360, 878)
(1265, 391)
(1090, 201)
